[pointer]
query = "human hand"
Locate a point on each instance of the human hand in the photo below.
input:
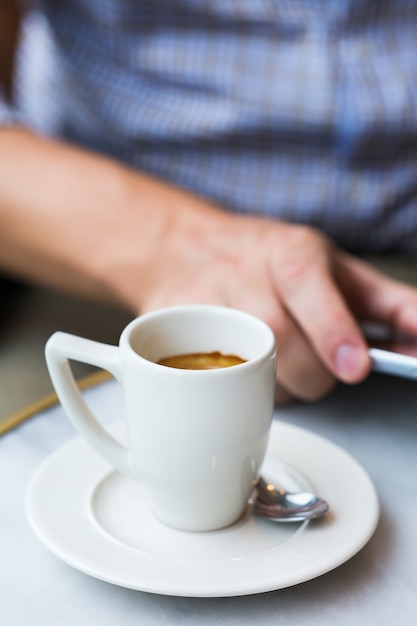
(312, 294)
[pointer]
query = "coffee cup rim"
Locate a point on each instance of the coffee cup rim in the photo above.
(250, 363)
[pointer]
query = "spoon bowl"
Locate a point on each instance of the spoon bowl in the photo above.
(279, 505)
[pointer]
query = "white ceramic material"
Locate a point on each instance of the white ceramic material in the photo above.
(196, 438)
(89, 516)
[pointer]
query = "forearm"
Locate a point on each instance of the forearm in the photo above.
(80, 222)
(45, 228)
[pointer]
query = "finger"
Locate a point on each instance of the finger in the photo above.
(313, 299)
(376, 297)
(300, 372)
(299, 369)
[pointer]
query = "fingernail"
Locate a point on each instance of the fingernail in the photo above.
(350, 361)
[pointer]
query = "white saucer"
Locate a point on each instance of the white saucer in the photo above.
(97, 521)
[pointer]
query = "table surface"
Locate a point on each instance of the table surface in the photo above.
(375, 421)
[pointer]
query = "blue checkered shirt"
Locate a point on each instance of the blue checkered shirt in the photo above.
(303, 110)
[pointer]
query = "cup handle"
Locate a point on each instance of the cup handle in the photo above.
(61, 347)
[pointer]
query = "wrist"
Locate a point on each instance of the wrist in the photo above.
(156, 226)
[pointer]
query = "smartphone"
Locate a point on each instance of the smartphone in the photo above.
(391, 352)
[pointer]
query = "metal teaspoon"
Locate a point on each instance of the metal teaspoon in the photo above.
(279, 505)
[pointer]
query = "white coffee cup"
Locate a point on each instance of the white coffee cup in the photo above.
(196, 438)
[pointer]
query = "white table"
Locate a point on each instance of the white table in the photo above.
(375, 421)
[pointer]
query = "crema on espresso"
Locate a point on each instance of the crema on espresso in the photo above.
(201, 361)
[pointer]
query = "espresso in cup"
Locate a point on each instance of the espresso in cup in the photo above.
(201, 360)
